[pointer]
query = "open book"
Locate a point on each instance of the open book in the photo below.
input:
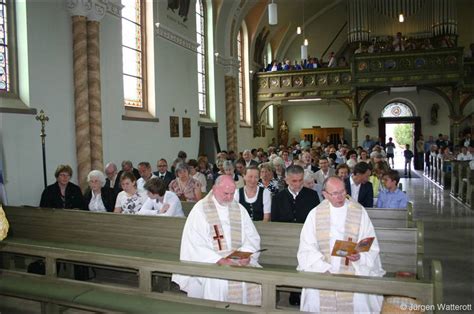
(346, 248)
(242, 255)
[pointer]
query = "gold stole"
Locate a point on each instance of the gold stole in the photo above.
(220, 246)
(336, 301)
(3, 224)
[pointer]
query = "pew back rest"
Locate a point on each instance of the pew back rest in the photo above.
(381, 217)
(399, 247)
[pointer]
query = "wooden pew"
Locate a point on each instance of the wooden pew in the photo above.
(463, 176)
(455, 178)
(445, 173)
(150, 245)
(381, 217)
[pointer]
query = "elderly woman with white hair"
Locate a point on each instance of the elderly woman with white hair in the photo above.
(98, 197)
(309, 181)
(279, 173)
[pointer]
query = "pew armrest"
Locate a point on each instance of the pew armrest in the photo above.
(437, 279)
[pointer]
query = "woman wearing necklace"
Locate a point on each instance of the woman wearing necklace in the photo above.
(62, 194)
(257, 200)
(267, 180)
(129, 201)
(185, 187)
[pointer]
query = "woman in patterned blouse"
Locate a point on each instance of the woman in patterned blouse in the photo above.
(185, 187)
(129, 201)
(267, 180)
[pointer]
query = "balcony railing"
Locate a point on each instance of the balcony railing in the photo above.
(367, 71)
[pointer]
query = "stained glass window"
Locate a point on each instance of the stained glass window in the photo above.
(242, 109)
(4, 73)
(397, 109)
(201, 57)
(133, 53)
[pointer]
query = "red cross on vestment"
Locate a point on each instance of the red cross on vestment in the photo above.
(218, 237)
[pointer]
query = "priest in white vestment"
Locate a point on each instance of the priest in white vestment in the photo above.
(338, 218)
(216, 226)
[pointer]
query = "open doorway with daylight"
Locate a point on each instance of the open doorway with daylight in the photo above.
(399, 122)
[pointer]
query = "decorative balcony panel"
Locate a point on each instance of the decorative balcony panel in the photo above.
(441, 66)
(437, 67)
(334, 82)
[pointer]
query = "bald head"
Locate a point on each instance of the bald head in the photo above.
(334, 191)
(224, 190)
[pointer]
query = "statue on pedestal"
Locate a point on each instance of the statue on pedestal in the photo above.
(283, 133)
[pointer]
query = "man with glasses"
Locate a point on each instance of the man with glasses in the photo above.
(163, 172)
(338, 218)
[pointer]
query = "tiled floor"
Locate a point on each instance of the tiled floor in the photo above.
(449, 236)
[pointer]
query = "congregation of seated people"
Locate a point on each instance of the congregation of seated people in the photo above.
(280, 184)
(263, 178)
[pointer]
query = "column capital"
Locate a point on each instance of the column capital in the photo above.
(231, 65)
(355, 123)
(456, 119)
(94, 10)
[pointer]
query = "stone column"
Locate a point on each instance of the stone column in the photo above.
(96, 13)
(231, 111)
(81, 99)
(355, 126)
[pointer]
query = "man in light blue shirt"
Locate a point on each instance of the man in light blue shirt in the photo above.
(391, 197)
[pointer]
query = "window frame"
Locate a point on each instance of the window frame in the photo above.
(203, 18)
(142, 24)
(241, 77)
(12, 67)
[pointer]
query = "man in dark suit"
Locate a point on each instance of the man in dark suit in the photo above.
(247, 157)
(358, 185)
(163, 172)
(113, 180)
(293, 204)
(127, 166)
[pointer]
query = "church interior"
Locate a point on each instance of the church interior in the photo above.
(90, 82)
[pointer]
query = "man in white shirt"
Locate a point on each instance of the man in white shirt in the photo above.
(324, 171)
(144, 168)
(160, 202)
(216, 226)
(338, 218)
(464, 154)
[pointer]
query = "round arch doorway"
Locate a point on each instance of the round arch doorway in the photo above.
(398, 115)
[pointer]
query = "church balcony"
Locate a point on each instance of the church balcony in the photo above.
(437, 67)
(322, 83)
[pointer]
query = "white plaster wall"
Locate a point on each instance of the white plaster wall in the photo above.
(300, 116)
(422, 103)
(50, 83)
(51, 89)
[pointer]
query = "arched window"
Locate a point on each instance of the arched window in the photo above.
(242, 56)
(134, 54)
(201, 57)
(241, 77)
(7, 64)
(396, 109)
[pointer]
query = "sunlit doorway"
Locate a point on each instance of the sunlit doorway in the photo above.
(399, 123)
